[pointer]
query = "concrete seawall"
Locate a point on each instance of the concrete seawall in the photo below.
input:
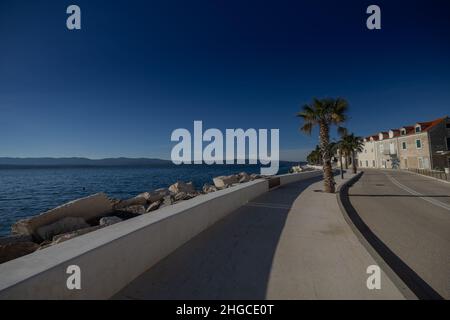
(112, 257)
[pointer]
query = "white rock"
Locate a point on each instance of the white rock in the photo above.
(88, 208)
(107, 221)
(139, 200)
(70, 235)
(155, 195)
(255, 176)
(244, 177)
(225, 181)
(136, 209)
(182, 187)
(207, 188)
(154, 206)
(64, 225)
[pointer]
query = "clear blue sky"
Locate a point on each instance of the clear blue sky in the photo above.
(139, 69)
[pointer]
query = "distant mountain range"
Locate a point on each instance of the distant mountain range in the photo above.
(80, 162)
(8, 162)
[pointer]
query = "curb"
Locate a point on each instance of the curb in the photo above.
(422, 175)
(342, 195)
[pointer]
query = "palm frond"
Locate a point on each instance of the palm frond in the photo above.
(307, 127)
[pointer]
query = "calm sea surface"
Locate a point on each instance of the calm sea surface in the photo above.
(30, 191)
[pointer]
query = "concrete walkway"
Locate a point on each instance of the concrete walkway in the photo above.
(290, 243)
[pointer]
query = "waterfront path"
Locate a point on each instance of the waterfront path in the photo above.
(410, 215)
(290, 243)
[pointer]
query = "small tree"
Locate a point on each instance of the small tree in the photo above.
(353, 144)
(314, 157)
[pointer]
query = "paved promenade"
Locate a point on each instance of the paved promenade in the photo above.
(290, 243)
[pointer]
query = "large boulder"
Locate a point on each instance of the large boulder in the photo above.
(13, 251)
(107, 221)
(296, 169)
(182, 187)
(167, 201)
(244, 177)
(139, 200)
(64, 225)
(155, 195)
(136, 209)
(207, 188)
(88, 208)
(255, 176)
(184, 196)
(67, 236)
(223, 182)
(154, 206)
(70, 235)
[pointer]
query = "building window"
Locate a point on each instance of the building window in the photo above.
(404, 145)
(418, 129)
(367, 163)
(403, 132)
(448, 125)
(418, 144)
(426, 163)
(420, 159)
(373, 163)
(392, 148)
(448, 143)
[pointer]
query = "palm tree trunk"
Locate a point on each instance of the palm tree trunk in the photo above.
(328, 178)
(342, 166)
(346, 160)
(354, 162)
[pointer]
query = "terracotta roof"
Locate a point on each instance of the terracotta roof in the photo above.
(409, 129)
(396, 132)
(375, 137)
(385, 135)
(425, 126)
(430, 124)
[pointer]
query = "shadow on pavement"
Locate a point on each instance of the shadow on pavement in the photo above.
(414, 282)
(230, 260)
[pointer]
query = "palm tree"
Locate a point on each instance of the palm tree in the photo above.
(353, 144)
(324, 113)
(314, 157)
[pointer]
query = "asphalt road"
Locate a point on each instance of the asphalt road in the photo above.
(410, 214)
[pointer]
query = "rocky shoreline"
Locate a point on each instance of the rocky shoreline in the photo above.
(97, 211)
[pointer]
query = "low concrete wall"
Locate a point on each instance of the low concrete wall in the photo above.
(289, 178)
(112, 257)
